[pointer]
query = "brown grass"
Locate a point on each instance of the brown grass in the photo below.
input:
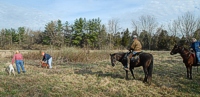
(91, 74)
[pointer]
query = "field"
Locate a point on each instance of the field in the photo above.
(91, 74)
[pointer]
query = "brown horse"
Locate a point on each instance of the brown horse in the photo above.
(188, 58)
(144, 59)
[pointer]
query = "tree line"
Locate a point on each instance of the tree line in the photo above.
(92, 34)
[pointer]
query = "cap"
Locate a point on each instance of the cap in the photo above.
(134, 36)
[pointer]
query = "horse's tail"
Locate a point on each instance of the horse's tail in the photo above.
(150, 70)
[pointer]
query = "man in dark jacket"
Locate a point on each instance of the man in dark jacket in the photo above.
(47, 58)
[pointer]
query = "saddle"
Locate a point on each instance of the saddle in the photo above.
(137, 53)
(134, 57)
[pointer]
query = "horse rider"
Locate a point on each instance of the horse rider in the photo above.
(196, 48)
(134, 48)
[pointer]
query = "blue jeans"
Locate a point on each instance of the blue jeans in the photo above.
(20, 63)
(49, 62)
(198, 56)
(134, 53)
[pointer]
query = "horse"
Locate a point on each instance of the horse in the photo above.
(144, 59)
(189, 58)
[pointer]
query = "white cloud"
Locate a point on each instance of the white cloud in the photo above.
(35, 14)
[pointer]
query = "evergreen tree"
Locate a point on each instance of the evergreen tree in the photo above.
(163, 40)
(53, 33)
(21, 32)
(68, 29)
(117, 40)
(144, 39)
(126, 39)
(155, 42)
(77, 36)
(93, 29)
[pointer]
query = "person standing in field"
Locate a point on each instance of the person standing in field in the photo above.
(196, 47)
(134, 48)
(18, 59)
(47, 58)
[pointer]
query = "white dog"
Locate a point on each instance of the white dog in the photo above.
(10, 69)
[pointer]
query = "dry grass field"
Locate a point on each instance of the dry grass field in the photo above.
(90, 74)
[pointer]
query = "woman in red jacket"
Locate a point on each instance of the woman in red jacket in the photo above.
(18, 59)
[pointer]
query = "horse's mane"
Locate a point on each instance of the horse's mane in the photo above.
(184, 48)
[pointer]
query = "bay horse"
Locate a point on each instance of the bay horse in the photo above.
(144, 59)
(189, 58)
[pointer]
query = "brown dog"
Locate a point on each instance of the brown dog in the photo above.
(44, 65)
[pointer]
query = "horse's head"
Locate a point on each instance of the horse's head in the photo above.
(113, 59)
(176, 49)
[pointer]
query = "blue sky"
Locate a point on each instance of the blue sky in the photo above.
(35, 14)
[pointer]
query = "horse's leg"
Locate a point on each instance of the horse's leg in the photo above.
(190, 72)
(128, 60)
(187, 72)
(145, 74)
(126, 74)
(132, 73)
(149, 79)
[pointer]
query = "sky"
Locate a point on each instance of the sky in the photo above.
(35, 14)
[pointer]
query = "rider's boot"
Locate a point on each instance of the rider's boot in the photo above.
(128, 64)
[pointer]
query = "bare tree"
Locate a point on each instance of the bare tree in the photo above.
(113, 27)
(187, 24)
(136, 27)
(173, 28)
(198, 23)
(146, 23)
